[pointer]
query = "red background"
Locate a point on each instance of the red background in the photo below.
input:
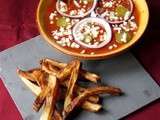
(17, 24)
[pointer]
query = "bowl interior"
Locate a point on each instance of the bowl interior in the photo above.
(141, 7)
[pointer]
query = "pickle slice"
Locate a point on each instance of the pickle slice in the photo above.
(121, 11)
(87, 39)
(61, 22)
(123, 37)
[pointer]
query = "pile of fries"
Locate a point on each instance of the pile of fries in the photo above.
(54, 81)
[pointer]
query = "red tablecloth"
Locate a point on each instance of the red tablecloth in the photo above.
(17, 24)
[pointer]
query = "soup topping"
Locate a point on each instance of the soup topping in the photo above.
(76, 8)
(115, 11)
(92, 33)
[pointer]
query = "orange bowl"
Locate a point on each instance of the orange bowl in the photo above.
(140, 5)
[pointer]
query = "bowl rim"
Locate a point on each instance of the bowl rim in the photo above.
(89, 56)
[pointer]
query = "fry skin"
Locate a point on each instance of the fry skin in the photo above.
(89, 92)
(71, 83)
(49, 109)
(41, 97)
(83, 73)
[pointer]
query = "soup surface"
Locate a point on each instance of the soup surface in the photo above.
(60, 27)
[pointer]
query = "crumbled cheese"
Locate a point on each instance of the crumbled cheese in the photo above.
(92, 53)
(51, 16)
(83, 51)
(67, 19)
(108, 4)
(51, 22)
(115, 46)
(59, 42)
(75, 45)
(73, 12)
(61, 29)
(127, 15)
(85, 2)
(76, 3)
(56, 37)
(110, 47)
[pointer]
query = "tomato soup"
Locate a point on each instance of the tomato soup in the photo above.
(60, 27)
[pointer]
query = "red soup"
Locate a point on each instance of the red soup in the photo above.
(121, 15)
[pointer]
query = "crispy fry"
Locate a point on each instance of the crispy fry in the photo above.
(71, 83)
(92, 107)
(51, 99)
(57, 115)
(35, 89)
(83, 73)
(56, 81)
(35, 75)
(41, 97)
(93, 99)
(64, 73)
(54, 63)
(31, 75)
(49, 68)
(90, 76)
(89, 92)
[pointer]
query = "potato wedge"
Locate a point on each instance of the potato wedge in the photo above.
(72, 83)
(65, 72)
(35, 89)
(51, 99)
(89, 92)
(83, 73)
(47, 89)
(92, 107)
(90, 76)
(37, 76)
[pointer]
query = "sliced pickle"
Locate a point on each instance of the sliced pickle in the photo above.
(121, 11)
(119, 37)
(87, 39)
(61, 22)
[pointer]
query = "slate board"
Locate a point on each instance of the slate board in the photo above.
(123, 71)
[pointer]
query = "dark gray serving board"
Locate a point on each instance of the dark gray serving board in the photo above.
(123, 71)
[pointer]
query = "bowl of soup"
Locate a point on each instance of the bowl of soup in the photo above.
(91, 29)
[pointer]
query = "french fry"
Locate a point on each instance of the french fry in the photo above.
(92, 107)
(35, 89)
(83, 73)
(89, 76)
(54, 63)
(89, 92)
(41, 97)
(71, 83)
(65, 72)
(35, 75)
(51, 99)
(49, 68)
(56, 81)
(57, 115)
